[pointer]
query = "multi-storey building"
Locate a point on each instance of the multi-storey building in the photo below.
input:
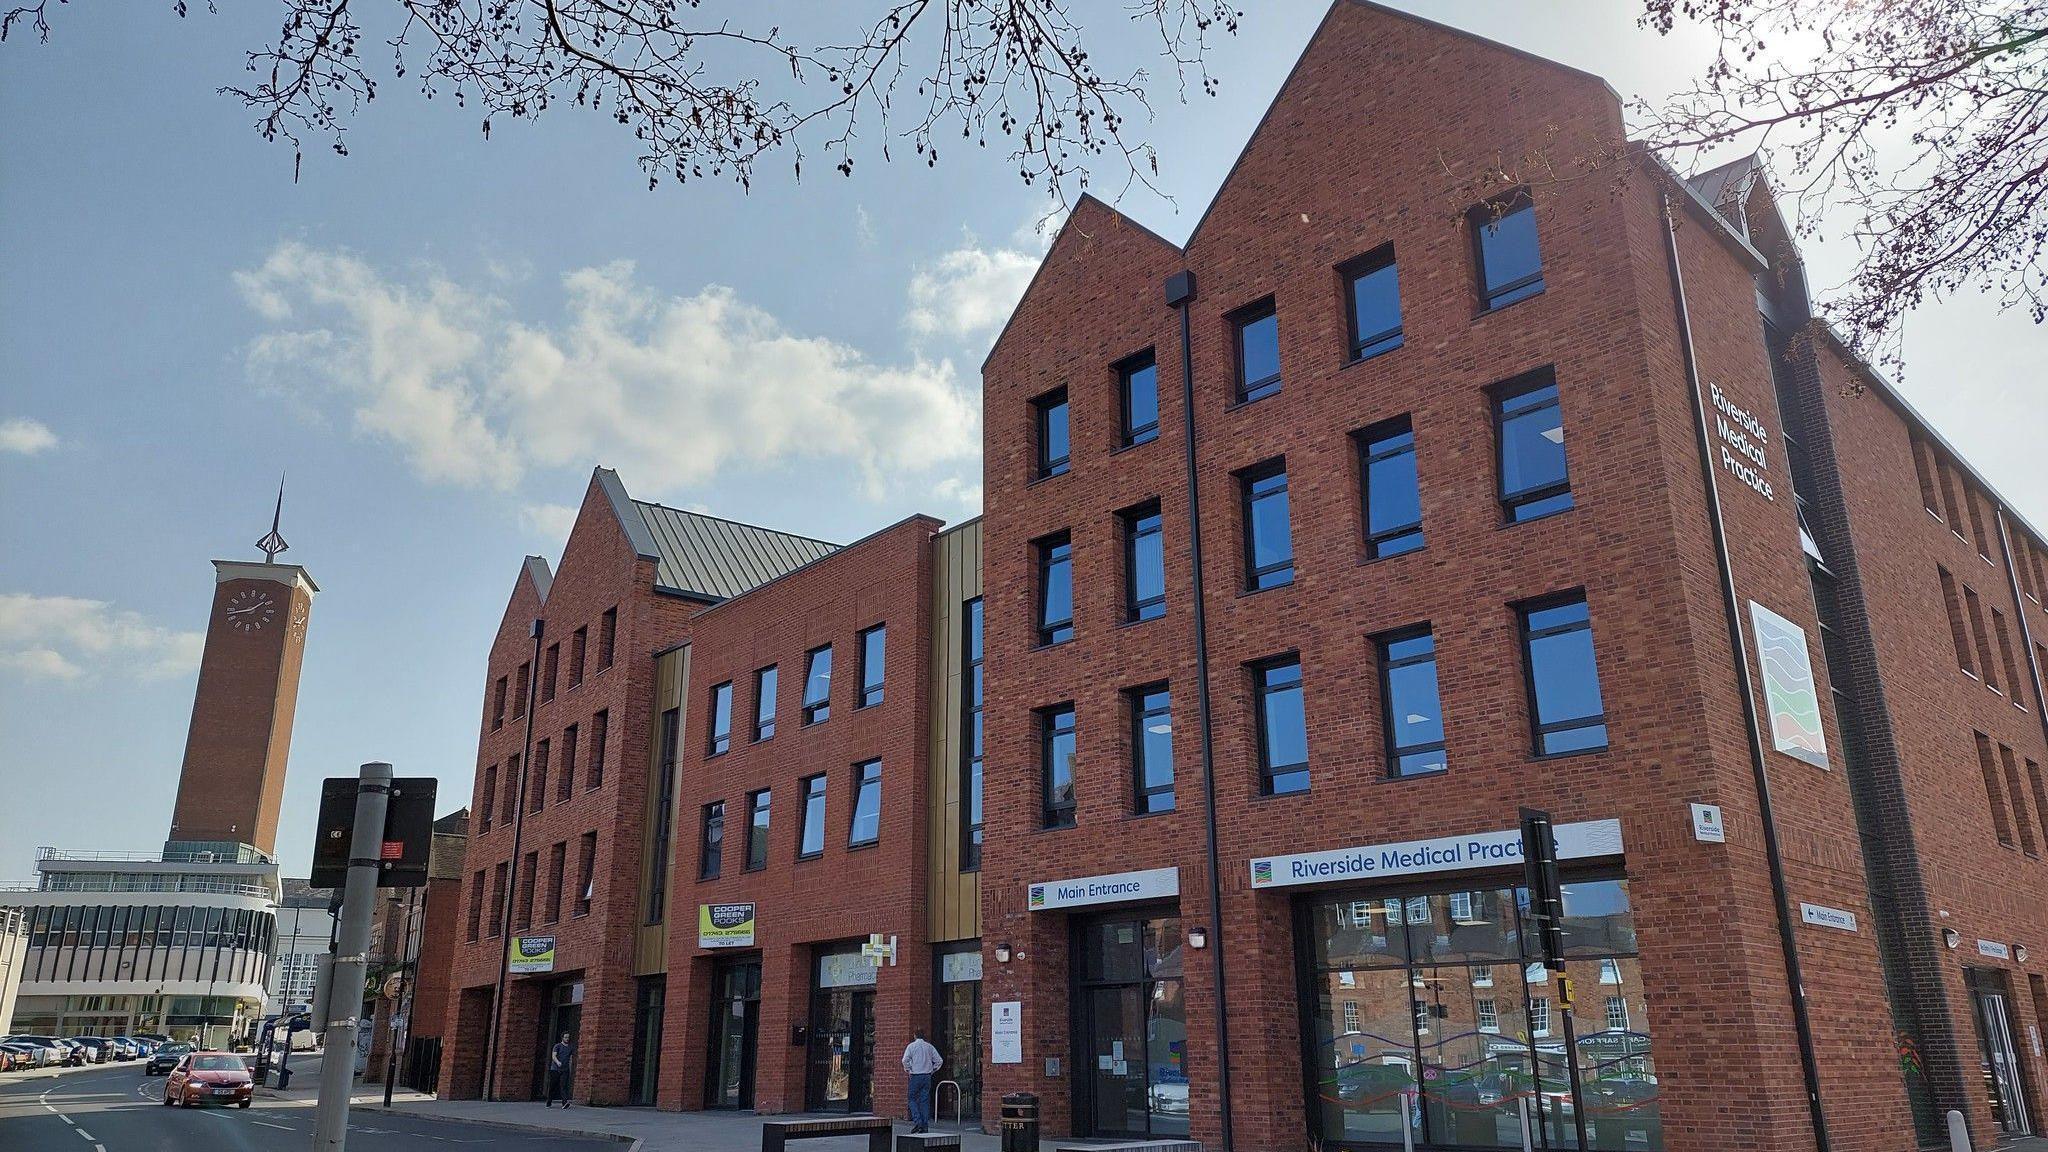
(1401, 497)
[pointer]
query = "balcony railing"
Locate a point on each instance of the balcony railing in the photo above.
(139, 882)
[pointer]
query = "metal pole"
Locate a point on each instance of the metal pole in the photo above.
(405, 956)
(337, 1077)
(512, 869)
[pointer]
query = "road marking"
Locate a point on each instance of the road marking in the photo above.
(279, 1127)
(67, 1119)
(84, 1133)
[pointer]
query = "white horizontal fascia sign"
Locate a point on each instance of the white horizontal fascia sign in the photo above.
(1825, 917)
(1994, 949)
(1114, 888)
(1586, 840)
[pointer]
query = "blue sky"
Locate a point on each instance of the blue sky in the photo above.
(438, 336)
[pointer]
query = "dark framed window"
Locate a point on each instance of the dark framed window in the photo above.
(1144, 563)
(607, 637)
(1137, 386)
(1055, 589)
(811, 826)
(1410, 709)
(866, 825)
(565, 776)
(514, 782)
(664, 819)
(721, 719)
(579, 648)
(1152, 748)
(537, 776)
(1529, 429)
(600, 733)
(757, 830)
(1283, 726)
(818, 685)
(1257, 328)
(1565, 712)
(1055, 447)
(970, 737)
(1504, 244)
(873, 654)
(498, 690)
(1372, 289)
(558, 866)
(1268, 540)
(1056, 750)
(586, 873)
(711, 857)
(1393, 495)
(490, 799)
(549, 668)
(764, 703)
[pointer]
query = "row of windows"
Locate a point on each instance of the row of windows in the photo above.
(872, 644)
(864, 824)
(1566, 715)
(550, 668)
(1533, 481)
(1510, 268)
(1973, 638)
(2008, 789)
(1949, 497)
(563, 773)
(88, 943)
(529, 875)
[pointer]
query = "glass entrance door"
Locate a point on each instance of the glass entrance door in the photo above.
(735, 1033)
(561, 1013)
(958, 1034)
(842, 1055)
(1130, 1028)
(2003, 1079)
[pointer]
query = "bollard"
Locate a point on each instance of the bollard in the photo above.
(1958, 1132)
(1407, 1119)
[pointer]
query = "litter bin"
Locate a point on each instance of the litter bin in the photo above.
(1020, 1122)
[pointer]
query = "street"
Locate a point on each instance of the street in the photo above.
(118, 1109)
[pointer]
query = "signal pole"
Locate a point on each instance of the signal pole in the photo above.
(337, 1077)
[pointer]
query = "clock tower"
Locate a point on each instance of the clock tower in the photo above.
(232, 782)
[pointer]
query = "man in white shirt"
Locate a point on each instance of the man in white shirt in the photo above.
(920, 1059)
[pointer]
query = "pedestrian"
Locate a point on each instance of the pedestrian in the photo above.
(920, 1059)
(561, 1066)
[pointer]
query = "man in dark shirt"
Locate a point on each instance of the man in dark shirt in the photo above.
(561, 1065)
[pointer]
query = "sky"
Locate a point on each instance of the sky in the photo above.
(437, 336)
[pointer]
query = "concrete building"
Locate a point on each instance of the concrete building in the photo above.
(13, 951)
(306, 928)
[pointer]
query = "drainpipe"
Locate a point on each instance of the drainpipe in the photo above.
(1180, 296)
(512, 868)
(1731, 603)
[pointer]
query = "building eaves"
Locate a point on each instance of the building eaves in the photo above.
(933, 528)
(543, 579)
(711, 558)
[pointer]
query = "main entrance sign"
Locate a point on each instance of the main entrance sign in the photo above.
(1114, 888)
(1586, 840)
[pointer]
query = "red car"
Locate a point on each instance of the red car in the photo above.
(209, 1078)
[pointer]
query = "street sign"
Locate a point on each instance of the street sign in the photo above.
(407, 839)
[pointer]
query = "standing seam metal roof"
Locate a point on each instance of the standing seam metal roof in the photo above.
(719, 559)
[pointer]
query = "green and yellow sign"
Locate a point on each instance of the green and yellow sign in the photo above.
(532, 954)
(725, 925)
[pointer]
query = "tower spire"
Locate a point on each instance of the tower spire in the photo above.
(274, 543)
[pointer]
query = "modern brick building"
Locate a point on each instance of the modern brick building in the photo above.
(1321, 544)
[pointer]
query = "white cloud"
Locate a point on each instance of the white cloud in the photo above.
(672, 389)
(66, 638)
(969, 291)
(26, 436)
(550, 522)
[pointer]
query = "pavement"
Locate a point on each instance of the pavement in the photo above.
(644, 1129)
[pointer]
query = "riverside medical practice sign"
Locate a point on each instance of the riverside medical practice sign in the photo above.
(1585, 840)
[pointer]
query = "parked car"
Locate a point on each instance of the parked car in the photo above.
(65, 1052)
(98, 1049)
(129, 1048)
(165, 1058)
(143, 1045)
(201, 1078)
(28, 1055)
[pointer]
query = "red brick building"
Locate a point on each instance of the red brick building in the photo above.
(1324, 542)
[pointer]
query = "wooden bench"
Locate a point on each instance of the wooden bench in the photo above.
(774, 1133)
(926, 1141)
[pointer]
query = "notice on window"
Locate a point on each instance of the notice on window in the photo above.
(1006, 1032)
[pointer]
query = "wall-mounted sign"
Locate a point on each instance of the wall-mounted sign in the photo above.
(725, 925)
(1788, 686)
(1994, 949)
(531, 954)
(1114, 888)
(1585, 840)
(1826, 917)
(1006, 1032)
(1707, 827)
(1743, 437)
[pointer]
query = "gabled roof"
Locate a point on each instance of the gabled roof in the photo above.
(1726, 187)
(705, 557)
(543, 579)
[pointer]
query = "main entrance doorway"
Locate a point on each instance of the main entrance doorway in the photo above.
(842, 1056)
(2004, 1081)
(1130, 1027)
(735, 1033)
(958, 1035)
(561, 1011)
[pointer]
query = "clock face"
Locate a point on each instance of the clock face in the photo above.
(299, 622)
(251, 610)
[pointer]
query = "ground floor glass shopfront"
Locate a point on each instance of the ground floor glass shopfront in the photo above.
(1428, 1015)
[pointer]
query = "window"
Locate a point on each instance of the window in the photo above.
(489, 799)
(1258, 351)
(1152, 748)
(1461, 908)
(1422, 1015)
(1923, 468)
(970, 741)
(1413, 717)
(607, 637)
(757, 830)
(600, 730)
(867, 805)
(1055, 589)
(512, 785)
(1565, 713)
(1489, 1015)
(522, 685)
(873, 657)
(498, 876)
(2001, 819)
(1529, 427)
(1056, 765)
(1956, 629)
(1144, 563)
(579, 645)
(537, 778)
(1975, 612)
(664, 816)
(811, 828)
(498, 704)
(565, 777)
(1283, 726)
(2017, 793)
(1610, 971)
(721, 719)
(529, 867)
(1975, 500)
(711, 851)
(550, 665)
(558, 863)
(764, 703)
(476, 906)
(1372, 284)
(1351, 1018)
(1482, 975)
(1393, 496)
(586, 873)
(1504, 235)
(1539, 1013)
(2013, 682)
(1137, 385)
(818, 685)
(1049, 413)
(1617, 1014)
(2040, 787)
(1268, 543)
